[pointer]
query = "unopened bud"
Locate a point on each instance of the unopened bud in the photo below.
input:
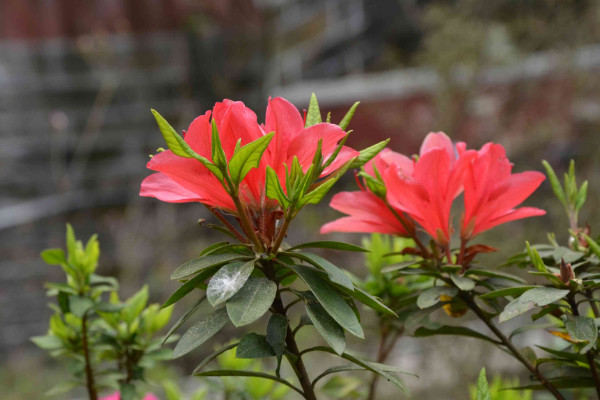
(566, 272)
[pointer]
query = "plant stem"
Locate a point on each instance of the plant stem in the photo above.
(468, 299)
(246, 224)
(281, 234)
(589, 354)
(292, 346)
(230, 227)
(593, 304)
(382, 355)
(89, 375)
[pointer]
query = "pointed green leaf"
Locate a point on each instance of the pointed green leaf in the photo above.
(248, 374)
(431, 296)
(555, 183)
(464, 284)
(317, 194)
(511, 291)
(581, 195)
(348, 117)
(218, 154)
(367, 154)
(183, 318)
(313, 116)
(336, 275)
(495, 274)
(248, 157)
(454, 331)
(189, 286)
(330, 244)
(253, 345)
(212, 356)
(179, 147)
(326, 326)
(277, 332)
(54, 256)
(369, 300)
(330, 299)
(274, 189)
(540, 296)
(227, 281)
(251, 301)
(201, 331)
(582, 328)
(210, 260)
(483, 391)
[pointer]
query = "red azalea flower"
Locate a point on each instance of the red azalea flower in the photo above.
(492, 192)
(425, 190)
(366, 211)
(182, 179)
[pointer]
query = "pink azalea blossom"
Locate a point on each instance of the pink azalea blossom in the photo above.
(180, 179)
(491, 191)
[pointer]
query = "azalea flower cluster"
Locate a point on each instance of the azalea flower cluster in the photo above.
(283, 146)
(399, 193)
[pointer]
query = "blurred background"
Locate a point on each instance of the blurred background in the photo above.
(77, 80)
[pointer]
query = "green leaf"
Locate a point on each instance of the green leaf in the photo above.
(183, 318)
(227, 281)
(47, 342)
(348, 117)
(399, 266)
(483, 391)
(218, 154)
(370, 301)
(212, 356)
(200, 332)
(495, 274)
(251, 301)
(540, 296)
(253, 345)
(274, 189)
(594, 247)
(370, 366)
(464, 284)
(367, 154)
(179, 147)
(213, 247)
(582, 328)
(581, 195)
(79, 305)
(62, 388)
(330, 330)
(555, 183)
(135, 304)
(330, 299)
(452, 330)
(431, 296)
(335, 274)
(317, 194)
(535, 258)
(54, 256)
(277, 332)
(210, 260)
(313, 116)
(329, 244)
(189, 286)
(249, 374)
(248, 157)
(511, 291)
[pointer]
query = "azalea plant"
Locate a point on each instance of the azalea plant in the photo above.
(105, 342)
(413, 197)
(255, 179)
